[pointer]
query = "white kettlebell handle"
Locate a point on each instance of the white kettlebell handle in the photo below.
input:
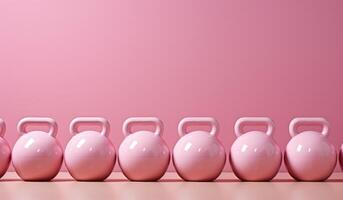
(198, 120)
(308, 121)
(255, 121)
(143, 120)
(2, 127)
(76, 123)
(23, 123)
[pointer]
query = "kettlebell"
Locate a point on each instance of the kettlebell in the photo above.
(309, 155)
(254, 155)
(143, 155)
(89, 155)
(5, 150)
(37, 155)
(198, 155)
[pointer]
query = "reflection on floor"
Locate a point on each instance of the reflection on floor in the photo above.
(170, 187)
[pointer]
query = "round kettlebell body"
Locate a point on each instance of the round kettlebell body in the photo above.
(143, 155)
(309, 155)
(5, 150)
(89, 155)
(198, 155)
(254, 155)
(37, 155)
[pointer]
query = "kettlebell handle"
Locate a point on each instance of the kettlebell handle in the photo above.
(23, 123)
(255, 121)
(78, 121)
(308, 121)
(2, 128)
(143, 120)
(198, 120)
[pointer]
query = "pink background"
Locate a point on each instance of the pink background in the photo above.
(171, 59)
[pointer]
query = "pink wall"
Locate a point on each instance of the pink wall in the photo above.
(170, 59)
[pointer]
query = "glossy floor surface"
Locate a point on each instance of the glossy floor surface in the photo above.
(170, 187)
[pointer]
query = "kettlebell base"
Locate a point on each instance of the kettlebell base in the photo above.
(297, 178)
(207, 179)
(37, 179)
(97, 178)
(143, 180)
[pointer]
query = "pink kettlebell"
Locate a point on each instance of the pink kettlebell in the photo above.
(89, 155)
(5, 150)
(198, 155)
(143, 155)
(309, 155)
(37, 155)
(254, 155)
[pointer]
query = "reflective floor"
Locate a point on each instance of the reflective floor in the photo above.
(170, 187)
